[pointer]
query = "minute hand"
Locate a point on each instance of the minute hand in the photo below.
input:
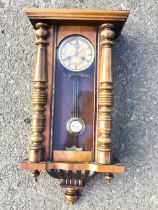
(78, 51)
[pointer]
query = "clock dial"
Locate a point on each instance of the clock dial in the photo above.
(76, 53)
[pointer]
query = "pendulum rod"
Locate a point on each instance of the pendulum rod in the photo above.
(75, 112)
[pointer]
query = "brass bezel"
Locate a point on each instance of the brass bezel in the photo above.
(68, 126)
(61, 46)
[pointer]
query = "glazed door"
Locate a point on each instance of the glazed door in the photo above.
(74, 107)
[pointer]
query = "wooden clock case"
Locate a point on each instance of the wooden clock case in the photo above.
(45, 152)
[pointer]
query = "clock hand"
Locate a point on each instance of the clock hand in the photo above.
(67, 58)
(83, 58)
(78, 51)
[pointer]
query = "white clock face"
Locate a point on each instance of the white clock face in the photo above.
(75, 126)
(76, 53)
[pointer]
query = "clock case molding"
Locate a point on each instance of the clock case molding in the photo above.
(107, 26)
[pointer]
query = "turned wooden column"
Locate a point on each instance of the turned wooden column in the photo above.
(39, 95)
(104, 151)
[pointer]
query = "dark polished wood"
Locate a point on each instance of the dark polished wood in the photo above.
(76, 156)
(39, 95)
(114, 168)
(66, 156)
(80, 17)
(105, 95)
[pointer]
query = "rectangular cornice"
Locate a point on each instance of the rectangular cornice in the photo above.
(78, 17)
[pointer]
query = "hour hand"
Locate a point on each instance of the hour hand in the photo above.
(67, 58)
(78, 51)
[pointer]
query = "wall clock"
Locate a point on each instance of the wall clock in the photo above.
(72, 96)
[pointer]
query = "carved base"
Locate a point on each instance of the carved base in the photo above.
(72, 181)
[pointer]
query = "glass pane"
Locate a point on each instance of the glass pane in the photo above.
(74, 95)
